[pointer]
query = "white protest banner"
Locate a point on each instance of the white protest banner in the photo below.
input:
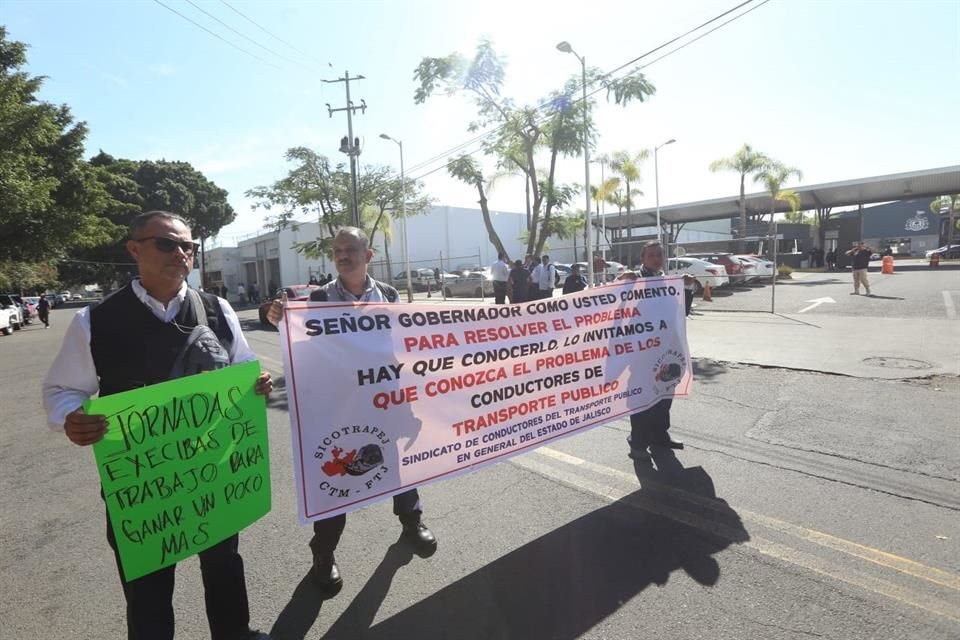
(386, 397)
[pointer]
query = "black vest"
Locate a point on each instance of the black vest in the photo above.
(132, 348)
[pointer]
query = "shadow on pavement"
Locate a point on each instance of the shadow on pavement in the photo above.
(874, 296)
(564, 583)
(811, 283)
(706, 370)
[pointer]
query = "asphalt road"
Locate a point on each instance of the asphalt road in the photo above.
(908, 293)
(805, 505)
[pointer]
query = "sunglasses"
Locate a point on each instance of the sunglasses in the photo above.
(167, 245)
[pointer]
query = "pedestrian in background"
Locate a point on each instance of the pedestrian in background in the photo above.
(133, 338)
(832, 260)
(500, 271)
(575, 281)
(861, 265)
(242, 293)
(43, 311)
(518, 285)
(545, 278)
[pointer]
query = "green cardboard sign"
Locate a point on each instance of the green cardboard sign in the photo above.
(184, 465)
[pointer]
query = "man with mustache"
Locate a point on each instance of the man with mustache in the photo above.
(132, 339)
(352, 254)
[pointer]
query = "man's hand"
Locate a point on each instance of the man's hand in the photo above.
(84, 430)
(264, 384)
(275, 312)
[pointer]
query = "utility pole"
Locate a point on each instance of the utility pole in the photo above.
(350, 145)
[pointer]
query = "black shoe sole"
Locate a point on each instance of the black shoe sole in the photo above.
(327, 588)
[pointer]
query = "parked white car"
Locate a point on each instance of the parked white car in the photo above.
(764, 270)
(9, 318)
(477, 284)
(705, 272)
(748, 268)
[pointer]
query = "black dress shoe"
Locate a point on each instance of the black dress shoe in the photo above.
(423, 541)
(669, 443)
(326, 575)
(638, 449)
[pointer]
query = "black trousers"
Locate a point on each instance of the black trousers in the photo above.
(650, 427)
(150, 598)
(499, 292)
(688, 299)
(326, 533)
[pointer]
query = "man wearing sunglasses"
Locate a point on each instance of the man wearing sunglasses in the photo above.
(132, 339)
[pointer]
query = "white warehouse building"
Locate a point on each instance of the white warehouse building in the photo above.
(450, 238)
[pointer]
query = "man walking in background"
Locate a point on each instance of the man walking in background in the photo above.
(500, 271)
(860, 254)
(545, 278)
(43, 310)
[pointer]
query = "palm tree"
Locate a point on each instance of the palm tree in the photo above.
(604, 193)
(747, 162)
(952, 204)
(773, 177)
(628, 166)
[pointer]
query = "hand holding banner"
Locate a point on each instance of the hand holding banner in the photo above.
(388, 397)
(184, 465)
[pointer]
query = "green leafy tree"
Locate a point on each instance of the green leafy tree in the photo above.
(952, 204)
(317, 188)
(747, 162)
(521, 135)
(50, 199)
(135, 186)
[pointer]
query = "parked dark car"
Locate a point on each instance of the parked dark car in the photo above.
(731, 264)
(294, 292)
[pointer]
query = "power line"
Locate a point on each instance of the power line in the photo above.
(269, 33)
(481, 137)
(246, 37)
(216, 35)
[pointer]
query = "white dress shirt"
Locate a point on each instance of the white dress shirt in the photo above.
(73, 376)
(545, 275)
(500, 271)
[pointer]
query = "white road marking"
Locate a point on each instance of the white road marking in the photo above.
(948, 303)
(816, 303)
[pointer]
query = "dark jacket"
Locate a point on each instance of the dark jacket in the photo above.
(574, 283)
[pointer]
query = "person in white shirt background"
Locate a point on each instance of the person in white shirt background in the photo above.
(500, 270)
(545, 277)
(129, 340)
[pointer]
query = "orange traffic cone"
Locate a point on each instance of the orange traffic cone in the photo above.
(706, 293)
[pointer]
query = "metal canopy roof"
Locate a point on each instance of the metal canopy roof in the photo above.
(914, 184)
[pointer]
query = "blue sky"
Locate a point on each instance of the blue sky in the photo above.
(840, 89)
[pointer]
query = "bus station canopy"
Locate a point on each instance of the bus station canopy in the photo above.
(899, 186)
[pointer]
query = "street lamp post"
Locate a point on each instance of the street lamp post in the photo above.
(656, 187)
(566, 48)
(403, 218)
